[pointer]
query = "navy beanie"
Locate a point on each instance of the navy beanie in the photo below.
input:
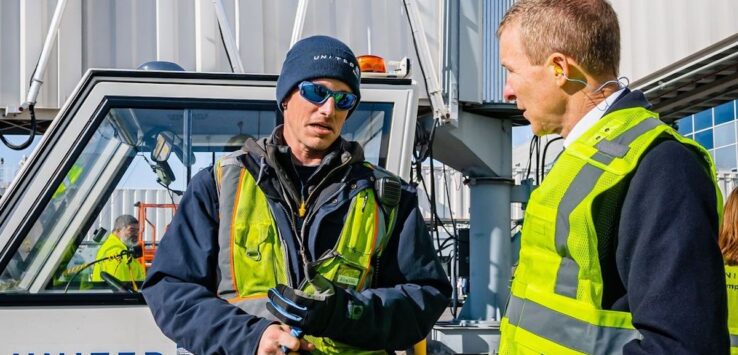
(318, 57)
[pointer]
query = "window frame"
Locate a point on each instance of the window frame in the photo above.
(97, 94)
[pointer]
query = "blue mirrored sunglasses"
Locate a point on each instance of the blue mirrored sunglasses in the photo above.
(319, 94)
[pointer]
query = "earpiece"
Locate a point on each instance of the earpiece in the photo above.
(559, 71)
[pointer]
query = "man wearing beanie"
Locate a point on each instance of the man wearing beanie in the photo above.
(294, 242)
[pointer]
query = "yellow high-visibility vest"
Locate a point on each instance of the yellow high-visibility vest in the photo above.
(731, 281)
(555, 302)
(252, 258)
(123, 268)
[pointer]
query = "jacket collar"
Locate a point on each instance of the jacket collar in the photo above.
(629, 99)
(274, 152)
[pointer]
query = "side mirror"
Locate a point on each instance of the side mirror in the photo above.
(164, 173)
(99, 234)
(163, 147)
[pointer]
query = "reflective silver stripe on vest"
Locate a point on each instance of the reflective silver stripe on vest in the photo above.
(612, 149)
(619, 146)
(566, 330)
(229, 184)
(255, 307)
(567, 280)
(567, 276)
(734, 340)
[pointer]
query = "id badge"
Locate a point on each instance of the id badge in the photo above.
(348, 276)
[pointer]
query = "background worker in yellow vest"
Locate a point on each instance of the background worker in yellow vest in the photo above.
(123, 237)
(729, 248)
(296, 230)
(619, 248)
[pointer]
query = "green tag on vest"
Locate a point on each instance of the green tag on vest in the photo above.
(348, 276)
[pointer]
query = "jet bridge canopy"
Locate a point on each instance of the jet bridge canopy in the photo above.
(700, 81)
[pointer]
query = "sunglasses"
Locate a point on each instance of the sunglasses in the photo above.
(319, 94)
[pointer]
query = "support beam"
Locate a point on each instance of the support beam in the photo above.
(490, 249)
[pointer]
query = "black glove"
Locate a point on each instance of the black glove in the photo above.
(312, 313)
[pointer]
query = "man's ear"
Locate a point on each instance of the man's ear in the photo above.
(559, 64)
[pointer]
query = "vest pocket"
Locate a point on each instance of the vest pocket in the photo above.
(254, 258)
(343, 271)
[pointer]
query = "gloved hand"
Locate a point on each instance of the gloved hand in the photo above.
(312, 313)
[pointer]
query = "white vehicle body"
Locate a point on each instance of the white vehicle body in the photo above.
(102, 141)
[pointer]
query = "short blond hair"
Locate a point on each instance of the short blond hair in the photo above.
(586, 30)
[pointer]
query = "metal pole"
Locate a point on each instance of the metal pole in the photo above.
(440, 110)
(43, 60)
(228, 39)
(187, 145)
(299, 22)
(489, 249)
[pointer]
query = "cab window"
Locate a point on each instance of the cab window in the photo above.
(135, 166)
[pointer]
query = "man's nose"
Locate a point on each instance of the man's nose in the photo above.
(328, 108)
(508, 93)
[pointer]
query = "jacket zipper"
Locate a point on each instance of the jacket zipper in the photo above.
(294, 231)
(311, 213)
(301, 211)
(303, 202)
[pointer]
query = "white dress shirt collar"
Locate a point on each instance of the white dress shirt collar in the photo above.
(591, 117)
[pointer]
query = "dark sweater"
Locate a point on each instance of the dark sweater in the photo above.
(664, 265)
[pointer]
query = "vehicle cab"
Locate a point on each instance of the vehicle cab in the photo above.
(128, 142)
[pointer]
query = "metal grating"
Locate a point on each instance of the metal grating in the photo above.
(493, 73)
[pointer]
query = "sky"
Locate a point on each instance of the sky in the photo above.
(12, 158)
(521, 135)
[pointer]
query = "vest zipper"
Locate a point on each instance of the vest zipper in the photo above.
(290, 215)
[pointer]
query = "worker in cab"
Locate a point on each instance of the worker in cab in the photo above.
(115, 255)
(294, 242)
(729, 247)
(619, 249)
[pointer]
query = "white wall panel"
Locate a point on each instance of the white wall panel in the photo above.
(657, 33)
(69, 48)
(33, 25)
(452, 195)
(209, 50)
(10, 87)
(123, 201)
(125, 34)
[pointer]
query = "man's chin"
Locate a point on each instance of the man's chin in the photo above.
(321, 144)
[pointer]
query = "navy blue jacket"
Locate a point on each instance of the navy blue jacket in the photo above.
(407, 296)
(660, 258)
